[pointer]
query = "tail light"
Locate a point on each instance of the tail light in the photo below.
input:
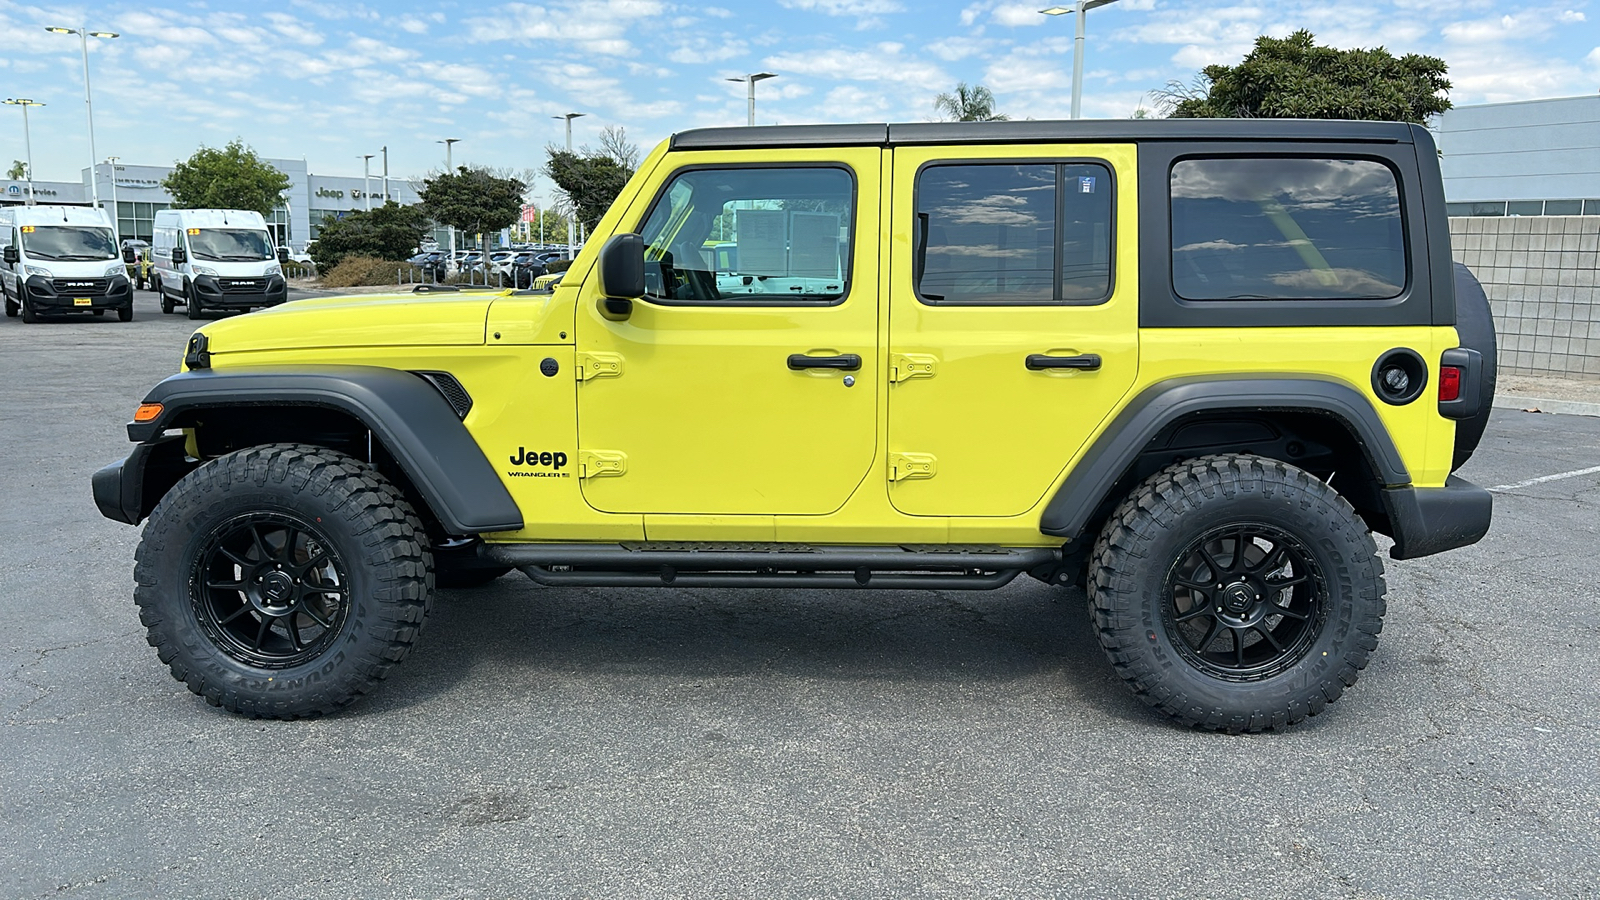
(1449, 384)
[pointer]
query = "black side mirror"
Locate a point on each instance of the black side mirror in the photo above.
(283, 254)
(621, 275)
(11, 256)
(128, 256)
(179, 256)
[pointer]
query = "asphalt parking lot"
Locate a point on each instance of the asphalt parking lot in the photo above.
(736, 743)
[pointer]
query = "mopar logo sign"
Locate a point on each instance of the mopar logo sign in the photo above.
(13, 189)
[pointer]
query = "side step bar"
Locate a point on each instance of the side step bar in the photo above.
(677, 564)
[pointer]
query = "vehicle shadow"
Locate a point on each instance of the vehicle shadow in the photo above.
(513, 635)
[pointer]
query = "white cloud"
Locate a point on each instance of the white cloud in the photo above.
(883, 62)
(846, 7)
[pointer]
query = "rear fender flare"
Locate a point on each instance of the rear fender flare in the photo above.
(1068, 512)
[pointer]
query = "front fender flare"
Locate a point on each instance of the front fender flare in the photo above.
(405, 413)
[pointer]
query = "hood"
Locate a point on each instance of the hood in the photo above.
(364, 320)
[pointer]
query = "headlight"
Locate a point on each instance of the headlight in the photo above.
(118, 269)
(274, 270)
(203, 270)
(37, 270)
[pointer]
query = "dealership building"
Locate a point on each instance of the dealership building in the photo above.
(1530, 158)
(138, 194)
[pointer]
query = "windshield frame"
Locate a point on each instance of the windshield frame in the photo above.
(209, 253)
(27, 234)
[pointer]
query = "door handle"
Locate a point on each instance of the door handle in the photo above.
(1087, 361)
(849, 362)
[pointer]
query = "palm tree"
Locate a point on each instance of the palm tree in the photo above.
(969, 103)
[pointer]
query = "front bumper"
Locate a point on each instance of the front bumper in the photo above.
(67, 294)
(121, 489)
(225, 292)
(1426, 521)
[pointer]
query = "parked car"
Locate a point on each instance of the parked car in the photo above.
(1191, 365)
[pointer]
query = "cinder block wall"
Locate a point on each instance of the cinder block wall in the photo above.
(1540, 275)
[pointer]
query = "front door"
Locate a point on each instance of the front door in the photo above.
(746, 389)
(1013, 319)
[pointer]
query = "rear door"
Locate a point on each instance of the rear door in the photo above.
(1013, 319)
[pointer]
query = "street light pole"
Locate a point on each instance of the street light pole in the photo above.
(449, 169)
(116, 214)
(366, 178)
(1081, 8)
(751, 81)
(386, 174)
(88, 98)
(572, 215)
(27, 137)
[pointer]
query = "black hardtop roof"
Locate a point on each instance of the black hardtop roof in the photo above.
(1045, 131)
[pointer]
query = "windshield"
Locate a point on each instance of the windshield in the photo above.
(229, 244)
(68, 242)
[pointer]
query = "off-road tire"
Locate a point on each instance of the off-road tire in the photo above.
(368, 532)
(1135, 605)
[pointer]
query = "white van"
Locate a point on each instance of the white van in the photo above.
(61, 259)
(216, 259)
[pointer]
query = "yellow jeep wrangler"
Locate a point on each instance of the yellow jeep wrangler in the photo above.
(1192, 365)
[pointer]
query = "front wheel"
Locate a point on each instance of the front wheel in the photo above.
(191, 302)
(283, 581)
(1236, 593)
(125, 313)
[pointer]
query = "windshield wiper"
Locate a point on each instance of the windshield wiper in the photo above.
(81, 256)
(240, 258)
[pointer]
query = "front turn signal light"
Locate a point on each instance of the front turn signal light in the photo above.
(147, 412)
(1449, 384)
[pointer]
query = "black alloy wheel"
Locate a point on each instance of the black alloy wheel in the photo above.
(1245, 602)
(270, 590)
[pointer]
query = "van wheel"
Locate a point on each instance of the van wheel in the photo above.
(166, 299)
(125, 313)
(191, 303)
(12, 309)
(283, 581)
(1236, 593)
(29, 317)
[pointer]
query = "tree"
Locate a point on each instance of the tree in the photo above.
(230, 178)
(390, 231)
(473, 199)
(1293, 78)
(592, 179)
(18, 170)
(969, 103)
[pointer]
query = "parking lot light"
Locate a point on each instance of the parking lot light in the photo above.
(1081, 7)
(88, 97)
(751, 81)
(27, 137)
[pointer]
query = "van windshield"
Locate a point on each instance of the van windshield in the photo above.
(68, 242)
(229, 244)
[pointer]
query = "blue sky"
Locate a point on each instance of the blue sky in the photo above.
(331, 80)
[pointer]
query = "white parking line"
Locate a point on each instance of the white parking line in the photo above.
(1543, 478)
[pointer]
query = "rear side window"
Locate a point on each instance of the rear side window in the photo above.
(1029, 233)
(1286, 229)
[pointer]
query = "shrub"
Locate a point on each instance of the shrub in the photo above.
(356, 271)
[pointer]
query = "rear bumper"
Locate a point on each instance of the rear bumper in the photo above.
(1426, 521)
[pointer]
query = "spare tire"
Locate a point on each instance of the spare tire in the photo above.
(1475, 330)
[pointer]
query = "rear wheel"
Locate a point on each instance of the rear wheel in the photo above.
(282, 581)
(1236, 593)
(11, 305)
(167, 305)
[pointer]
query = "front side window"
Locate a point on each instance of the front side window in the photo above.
(229, 244)
(1286, 229)
(1020, 234)
(68, 242)
(751, 235)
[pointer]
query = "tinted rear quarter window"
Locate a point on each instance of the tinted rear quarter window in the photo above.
(1286, 229)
